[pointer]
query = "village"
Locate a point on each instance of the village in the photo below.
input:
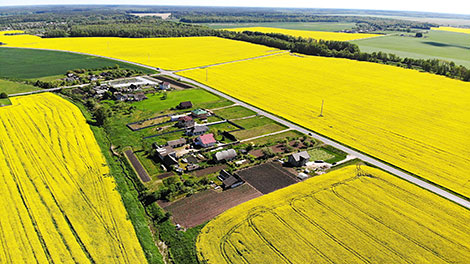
(200, 153)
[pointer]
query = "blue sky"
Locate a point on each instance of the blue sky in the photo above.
(449, 6)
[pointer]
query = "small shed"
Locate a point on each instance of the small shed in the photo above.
(185, 105)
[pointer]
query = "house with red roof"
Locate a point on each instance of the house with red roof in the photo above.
(205, 141)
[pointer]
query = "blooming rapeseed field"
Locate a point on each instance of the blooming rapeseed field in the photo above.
(453, 29)
(339, 36)
(416, 121)
(166, 53)
(351, 215)
(58, 204)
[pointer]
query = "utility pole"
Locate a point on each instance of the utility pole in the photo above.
(321, 112)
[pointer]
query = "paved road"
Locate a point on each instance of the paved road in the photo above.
(371, 160)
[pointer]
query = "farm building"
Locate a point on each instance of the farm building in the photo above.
(165, 86)
(137, 97)
(205, 141)
(165, 151)
(185, 121)
(176, 143)
(299, 159)
(167, 155)
(185, 105)
(199, 113)
(229, 180)
(225, 155)
(197, 130)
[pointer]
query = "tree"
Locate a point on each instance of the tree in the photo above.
(101, 114)
(267, 152)
(419, 35)
(3, 95)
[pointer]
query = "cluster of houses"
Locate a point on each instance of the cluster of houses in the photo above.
(131, 93)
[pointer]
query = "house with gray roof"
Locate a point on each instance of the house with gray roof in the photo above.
(298, 159)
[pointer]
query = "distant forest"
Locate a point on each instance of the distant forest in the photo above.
(118, 22)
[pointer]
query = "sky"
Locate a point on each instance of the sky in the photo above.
(448, 6)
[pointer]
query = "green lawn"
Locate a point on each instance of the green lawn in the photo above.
(156, 104)
(313, 26)
(258, 131)
(19, 63)
(234, 112)
(443, 45)
(254, 122)
(10, 87)
(319, 154)
(4, 101)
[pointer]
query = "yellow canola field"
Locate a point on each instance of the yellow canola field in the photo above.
(165, 53)
(453, 29)
(339, 36)
(351, 215)
(417, 121)
(59, 203)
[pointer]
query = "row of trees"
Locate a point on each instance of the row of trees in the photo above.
(339, 49)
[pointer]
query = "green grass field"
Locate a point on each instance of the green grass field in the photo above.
(10, 87)
(257, 126)
(5, 101)
(313, 26)
(156, 104)
(33, 64)
(448, 46)
(234, 112)
(319, 154)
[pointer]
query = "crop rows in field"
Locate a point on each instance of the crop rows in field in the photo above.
(58, 202)
(352, 215)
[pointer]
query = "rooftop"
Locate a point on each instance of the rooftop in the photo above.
(301, 155)
(207, 139)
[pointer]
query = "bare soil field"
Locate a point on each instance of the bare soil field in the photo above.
(137, 165)
(268, 177)
(201, 207)
(206, 171)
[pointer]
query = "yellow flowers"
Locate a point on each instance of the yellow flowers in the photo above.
(166, 53)
(346, 216)
(416, 121)
(339, 36)
(453, 29)
(59, 203)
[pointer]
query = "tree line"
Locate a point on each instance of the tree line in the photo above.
(326, 48)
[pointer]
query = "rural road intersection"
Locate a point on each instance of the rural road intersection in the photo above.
(362, 156)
